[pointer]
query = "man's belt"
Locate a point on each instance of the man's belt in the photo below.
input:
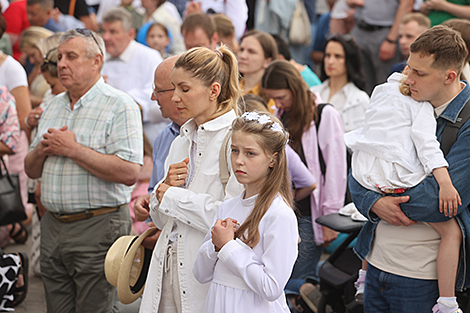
(69, 218)
(368, 27)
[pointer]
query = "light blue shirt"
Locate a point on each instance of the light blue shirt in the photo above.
(161, 147)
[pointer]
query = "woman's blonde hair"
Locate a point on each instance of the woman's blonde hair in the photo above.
(49, 43)
(219, 66)
(272, 138)
(403, 87)
(32, 35)
(282, 74)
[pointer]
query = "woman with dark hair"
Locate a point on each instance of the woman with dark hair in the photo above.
(343, 81)
(295, 105)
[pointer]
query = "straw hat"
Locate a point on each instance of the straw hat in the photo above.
(126, 265)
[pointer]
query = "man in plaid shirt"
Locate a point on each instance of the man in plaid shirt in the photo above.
(88, 151)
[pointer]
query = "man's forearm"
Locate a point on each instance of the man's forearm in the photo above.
(460, 11)
(34, 162)
(4, 149)
(106, 167)
(405, 6)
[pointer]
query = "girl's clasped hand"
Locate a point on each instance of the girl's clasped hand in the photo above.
(223, 231)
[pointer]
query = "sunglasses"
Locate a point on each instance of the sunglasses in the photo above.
(155, 92)
(86, 32)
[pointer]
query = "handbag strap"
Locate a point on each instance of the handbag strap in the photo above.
(7, 175)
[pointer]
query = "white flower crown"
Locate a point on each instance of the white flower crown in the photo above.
(263, 119)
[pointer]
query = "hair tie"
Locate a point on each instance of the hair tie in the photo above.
(219, 53)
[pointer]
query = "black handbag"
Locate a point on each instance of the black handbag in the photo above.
(11, 204)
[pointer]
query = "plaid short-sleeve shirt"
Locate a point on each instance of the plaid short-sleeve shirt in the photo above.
(105, 120)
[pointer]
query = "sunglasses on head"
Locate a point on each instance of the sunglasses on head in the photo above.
(86, 32)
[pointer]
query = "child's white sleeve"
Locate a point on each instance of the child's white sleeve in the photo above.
(423, 134)
(266, 275)
(204, 265)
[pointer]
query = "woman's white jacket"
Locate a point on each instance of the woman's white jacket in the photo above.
(353, 107)
(193, 208)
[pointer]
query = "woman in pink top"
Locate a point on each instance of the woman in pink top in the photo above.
(295, 105)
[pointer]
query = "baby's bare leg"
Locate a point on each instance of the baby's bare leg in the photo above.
(448, 255)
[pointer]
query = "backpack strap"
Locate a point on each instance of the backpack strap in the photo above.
(317, 125)
(223, 162)
(449, 134)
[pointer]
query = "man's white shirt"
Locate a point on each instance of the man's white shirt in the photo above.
(133, 72)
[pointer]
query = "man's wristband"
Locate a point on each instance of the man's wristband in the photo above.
(391, 41)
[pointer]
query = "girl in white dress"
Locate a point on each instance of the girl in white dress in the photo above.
(184, 203)
(248, 266)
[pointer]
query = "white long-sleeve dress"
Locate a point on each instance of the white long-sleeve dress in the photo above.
(397, 147)
(245, 279)
(190, 211)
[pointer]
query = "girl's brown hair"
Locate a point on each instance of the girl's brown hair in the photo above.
(282, 74)
(276, 182)
(219, 66)
(159, 25)
(266, 41)
(269, 46)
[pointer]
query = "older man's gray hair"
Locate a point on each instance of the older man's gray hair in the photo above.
(119, 14)
(94, 42)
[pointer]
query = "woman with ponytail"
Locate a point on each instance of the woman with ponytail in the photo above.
(184, 204)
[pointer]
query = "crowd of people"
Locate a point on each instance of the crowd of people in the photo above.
(206, 121)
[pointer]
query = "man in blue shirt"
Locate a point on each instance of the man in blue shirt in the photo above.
(162, 92)
(40, 14)
(400, 248)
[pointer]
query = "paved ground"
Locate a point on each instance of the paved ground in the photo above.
(35, 301)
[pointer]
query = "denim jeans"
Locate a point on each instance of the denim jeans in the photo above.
(308, 257)
(385, 292)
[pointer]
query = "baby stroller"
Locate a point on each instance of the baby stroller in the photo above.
(463, 298)
(340, 270)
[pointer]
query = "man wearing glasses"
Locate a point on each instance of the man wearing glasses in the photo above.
(162, 92)
(88, 151)
(130, 65)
